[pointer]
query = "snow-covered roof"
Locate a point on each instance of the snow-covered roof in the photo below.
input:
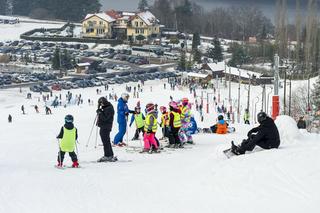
(147, 17)
(102, 16)
(243, 73)
(215, 67)
(83, 64)
(197, 75)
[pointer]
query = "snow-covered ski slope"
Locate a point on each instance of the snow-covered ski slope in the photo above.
(200, 179)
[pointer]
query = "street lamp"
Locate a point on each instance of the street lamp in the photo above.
(238, 110)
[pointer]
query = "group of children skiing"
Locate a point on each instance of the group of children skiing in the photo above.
(175, 123)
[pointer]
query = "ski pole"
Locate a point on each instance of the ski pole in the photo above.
(127, 135)
(60, 161)
(77, 151)
(91, 130)
(95, 144)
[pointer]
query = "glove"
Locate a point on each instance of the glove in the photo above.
(127, 113)
(149, 131)
(98, 111)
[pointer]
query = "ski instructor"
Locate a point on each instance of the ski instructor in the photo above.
(105, 114)
(122, 118)
(266, 136)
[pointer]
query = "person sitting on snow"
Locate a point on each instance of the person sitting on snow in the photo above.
(266, 136)
(138, 118)
(221, 127)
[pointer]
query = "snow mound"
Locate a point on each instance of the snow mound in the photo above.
(288, 129)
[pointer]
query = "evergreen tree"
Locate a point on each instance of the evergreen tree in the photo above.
(182, 61)
(197, 56)
(195, 40)
(217, 50)
(239, 56)
(143, 5)
(210, 52)
(56, 59)
(315, 96)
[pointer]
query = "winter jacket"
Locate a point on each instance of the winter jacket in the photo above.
(123, 111)
(193, 127)
(68, 126)
(139, 120)
(105, 117)
(266, 132)
(302, 124)
(171, 118)
(222, 127)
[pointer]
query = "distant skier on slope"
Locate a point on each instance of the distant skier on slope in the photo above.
(266, 136)
(68, 135)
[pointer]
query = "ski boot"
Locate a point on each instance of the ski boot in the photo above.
(107, 159)
(75, 164)
(145, 150)
(234, 149)
(190, 142)
(59, 165)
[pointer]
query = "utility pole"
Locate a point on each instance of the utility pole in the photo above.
(285, 91)
(290, 95)
(238, 110)
(230, 101)
(275, 98)
(248, 102)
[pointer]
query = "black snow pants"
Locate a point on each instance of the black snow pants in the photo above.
(174, 136)
(71, 154)
(137, 133)
(105, 138)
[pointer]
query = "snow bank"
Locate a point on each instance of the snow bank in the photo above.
(288, 129)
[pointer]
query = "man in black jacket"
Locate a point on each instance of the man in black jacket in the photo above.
(105, 113)
(266, 136)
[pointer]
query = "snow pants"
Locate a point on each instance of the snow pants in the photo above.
(122, 131)
(137, 133)
(174, 136)
(105, 138)
(71, 154)
(248, 145)
(150, 140)
(184, 134)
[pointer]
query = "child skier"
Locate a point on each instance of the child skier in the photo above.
(138, 118)
(150, 129)
(174, 125)
(164, 122)
(184, 135)
(68, 135)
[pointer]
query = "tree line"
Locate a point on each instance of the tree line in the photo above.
(68, 10)
(237, 23)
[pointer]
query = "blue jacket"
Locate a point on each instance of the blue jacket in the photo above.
(122, 110)
(192, 127)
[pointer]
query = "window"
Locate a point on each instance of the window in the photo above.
(137, 31)
(141, 24)
(101, 22)
(90, 23)
(137, 24)
(142, 31)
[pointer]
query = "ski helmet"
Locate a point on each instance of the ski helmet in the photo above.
(184, 101)
(137, 108)
(220, 117)
(149, 107)
(173, 104)
(68, 119)
(125, 96)
(163, 109)
(261, 117)
(102, 101)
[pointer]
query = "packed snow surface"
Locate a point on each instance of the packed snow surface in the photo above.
(197, 179)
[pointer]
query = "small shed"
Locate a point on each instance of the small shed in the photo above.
(217, 69)
(81, 68)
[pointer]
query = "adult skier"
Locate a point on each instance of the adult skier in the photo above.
(68, 135)
(266, 136)
(105, 113)
(122, 117)
(138, 118)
